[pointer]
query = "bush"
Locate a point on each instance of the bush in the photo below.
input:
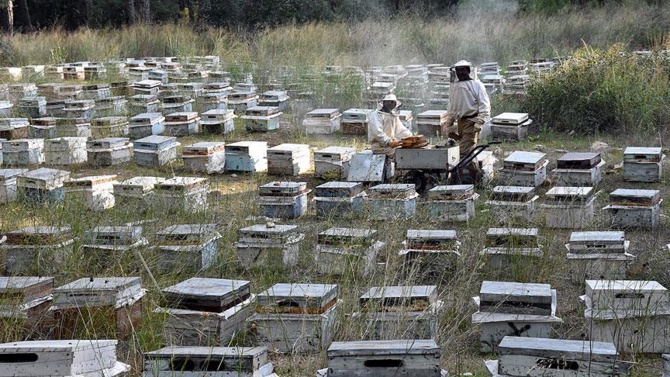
(608, 91)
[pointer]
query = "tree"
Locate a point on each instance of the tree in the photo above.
(130, 11)
(7, 19)
(146, 11)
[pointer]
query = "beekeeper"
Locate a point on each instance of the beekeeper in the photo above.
(385, 130)
(470, 107)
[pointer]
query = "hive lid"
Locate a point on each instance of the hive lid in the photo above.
(512, 193)
(569, 194)
(597, 238)
(510, 118)
(642, 153)
(431, 234)
(18, 290)
(91, 181)
(339, 189)
(108, 142)
(262, 110)
(186, 233)
(567, 349)
(634, 197)
(184, 116)
(147, 118)
(115, 291)
(515, 298)
(114, 235)
(384, 348)
(323, 113)
(34, 235)
(410, 297)
(7, 174)
(300, 298)
(573, 160)
(392, 190)
(181, 183)
(278, 188)
(640, 297)
(232, 361)
(452, 192)
(334, 151)
(204, 148)
(337, 236)
(207, 294)
(522, 160)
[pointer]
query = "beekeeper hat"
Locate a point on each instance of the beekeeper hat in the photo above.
(463, 63)
(392, 97)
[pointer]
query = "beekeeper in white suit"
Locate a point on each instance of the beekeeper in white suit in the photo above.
(470, 106)
(385, 130)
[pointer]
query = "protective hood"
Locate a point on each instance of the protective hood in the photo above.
(462, 63)
(389, 97)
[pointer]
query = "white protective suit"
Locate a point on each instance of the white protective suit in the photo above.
(467, 98)
(382, 129)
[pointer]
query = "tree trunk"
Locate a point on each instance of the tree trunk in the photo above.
(130, 11)
(205, 10)
(7, 17)
(88, 12)
(146, 11)
(24, 15)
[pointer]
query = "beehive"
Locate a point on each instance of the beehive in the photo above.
(283, 199)
(205, 157)
(95, 192)
(187, 194)
(261, 118)
(322, 121)
(510, 126)
(264, 245)
(186, 248)
(73, 127)
(146, 124)
(42, 185)
(333, 162)
(630, 208)
(524, 169)
(391, 201)
(247, 156)
(275, 98)
(241, 100)
(24, 305)
(642, 164)
(137, 192)
(176, 104)
(182, 124)
(108, 151)
(429, 254)
(569, 207)
(84, 109)
(504, 245)
(452, 203)
(40, 250)
(510, 202)
(429, 123)
(343, 250)
(23, 152)
(65, 151)
(111, 126)
(578, 170)
(155, 151)
(8, 184)
(143, 103)
(339, 199)
(288, 159)
(355, 121)
(598, 255)
(32, 107)
(218, 121)
(208, 362)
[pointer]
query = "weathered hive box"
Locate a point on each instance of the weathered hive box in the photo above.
(598, 255)
(666, 365)
(65, 358)
(55, 108)
(17, 91)
(187, 194)
(95, 72)
(95, 192)
(633, 314)
(158, 75)
(322, 121)
(182, 124)
(333, 162)
(137, 192)
(8, 184)
(265, 244)
(222, 87)
(96, 91)
(14, 128)
(186, 248)
(145, 86)
(296, 318)
(513, 309)
(429, 123)
(108, 151)
(524, 169)
(390, 201)
(24, 304)
(519, 356)
(504, 245)
(384, 358)
(261, 118)
(42, 185)
(208, 362)
(509, 202)
(428, 254)
(205, 311)
(630, 208)
(426, 158)
(6, 109)
(84, 108)
(88, 303)
(275, 98)
(205, 157)
(339, 199)
(211, 101)
(146, 124)
(143, 103)
(241, 100)
(177, 104)
(218, 121)
(54, 72)
(247, 156)
(355, 121)
(32, 107)
(65, 151)
(155, 150)
(71, 72)
(283, 199)
(39, 251)
(69, 92)
(111, 106)
(569, 207)
(578, 169)
(400, 312)
(452, 203)
(11, 73)
(73, 127)
(642, 164)
(104, 245)
(42, 128)
(510, 126)
(193, 88)
(112, 126)
(342, 250)
(288, 159)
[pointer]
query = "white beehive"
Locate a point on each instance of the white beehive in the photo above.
(155, 150)
(275, 98)
(182, 124)
(25, 302)
(186, 248)
(32, 107)
(241, 100)
(108, 151)
(339, 199)
(146, 124)
(296, 318)
(206, 311)
(342, 250)
(176, 103)
(211, 101)
(400, 312)
(65, 151)
(504, 245)
(95, 72)
(76, 109)
(569, 207)
(265, 244)
(261, 118)
(208, 362)
(96, 91)
(322, 121)
(39, 250)
(333, 162)
(390, 201)
(355, 121)
(535, 357)
(630, 208)
(71, 72)
(429, 123)
(598, 255)
(283, 199)
(642, 164)
(429, 254)
(8, 184)
(95, 192)
(205, 157)
(578, 170)
(23, 152)
(288, 159)
(247, 156)
(143, 85)
(137, 192)
(14, 128)
(42, 128)
(187, 194)
(452, 203)
(143, 103)
(73, 127)
(507, 203)
(42, 185)
(111, 126)
(524, 169)
(510, 126)
(218, 121)
(513, 309)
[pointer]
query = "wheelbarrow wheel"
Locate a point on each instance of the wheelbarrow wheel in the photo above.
(422, 181)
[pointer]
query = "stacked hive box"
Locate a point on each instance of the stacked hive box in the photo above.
(429, 254)
(205, 157)
(108, 151)
(23, 152)
(247, 156)
(8, 184)
(42, 185)
(264, 245)
(65, 151)
(40, 250)
(106, 247)
(137, 192)
(155, 151)
(208, 101)
(598, 255)
(283, 199)
(635, 208)
(339, 199)
(208, 362)
(176, 104)
(96, 91)
(96, 192)
(452, 203)
(322, 121)
(642, 164)
(520, 357)
(241, 100)
(73, 127)
(13, 128)
(391, 201)
(347, 250)
(24, 305)
(42, 128)
(111, 126)
(261, 118)
(145, 86)
(275, 98)
(205, 311)
(296, 318)
(333, 162)
(182, 124)
(400, 312)
(183, 194)
(578, 169)
(65, 358)
(187, 248)
(32, 107)
(79, 109)
(429, 123)
(513, 309)
(524, 169)
(510, 202)
(111, 106)
(355, 121)
(634, 315)
(218, 121)
(510, 126)
(143, 103)
(503, 245)
(85, 306)
(569, 207)
(146, 124)
(288, 159)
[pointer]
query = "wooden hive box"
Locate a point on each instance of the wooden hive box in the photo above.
(428, 254)
(322, 121)
(569, 207)
(137, 192)
(277, 98)
(110, 126)
(42, 128)
(642, 164)
(65, 151)
(261, 118)
(524, 169)
(40, 250)
(339, 250)
(218, 121)
(8, 183)
(630, 208)
(146, 124)
(598, 255)
(505, 244)
(247, 156)
(296, 318)
(264, 245)
(143, 103)
(288, 159)
(42, 185)
(511, 132)
(355, 121)
(426, 158)
(510, 202)
(183, 194)
(155, 151)
(390, 201)
(240, 101)
(452, 203)
(106, 246)
(205, 157)
(429, 123)
(340, 199)
(283, 199)
(208, 362)
(333, 162)
(22, 151)
(182, 123)
(24, 305)
(186, 248)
